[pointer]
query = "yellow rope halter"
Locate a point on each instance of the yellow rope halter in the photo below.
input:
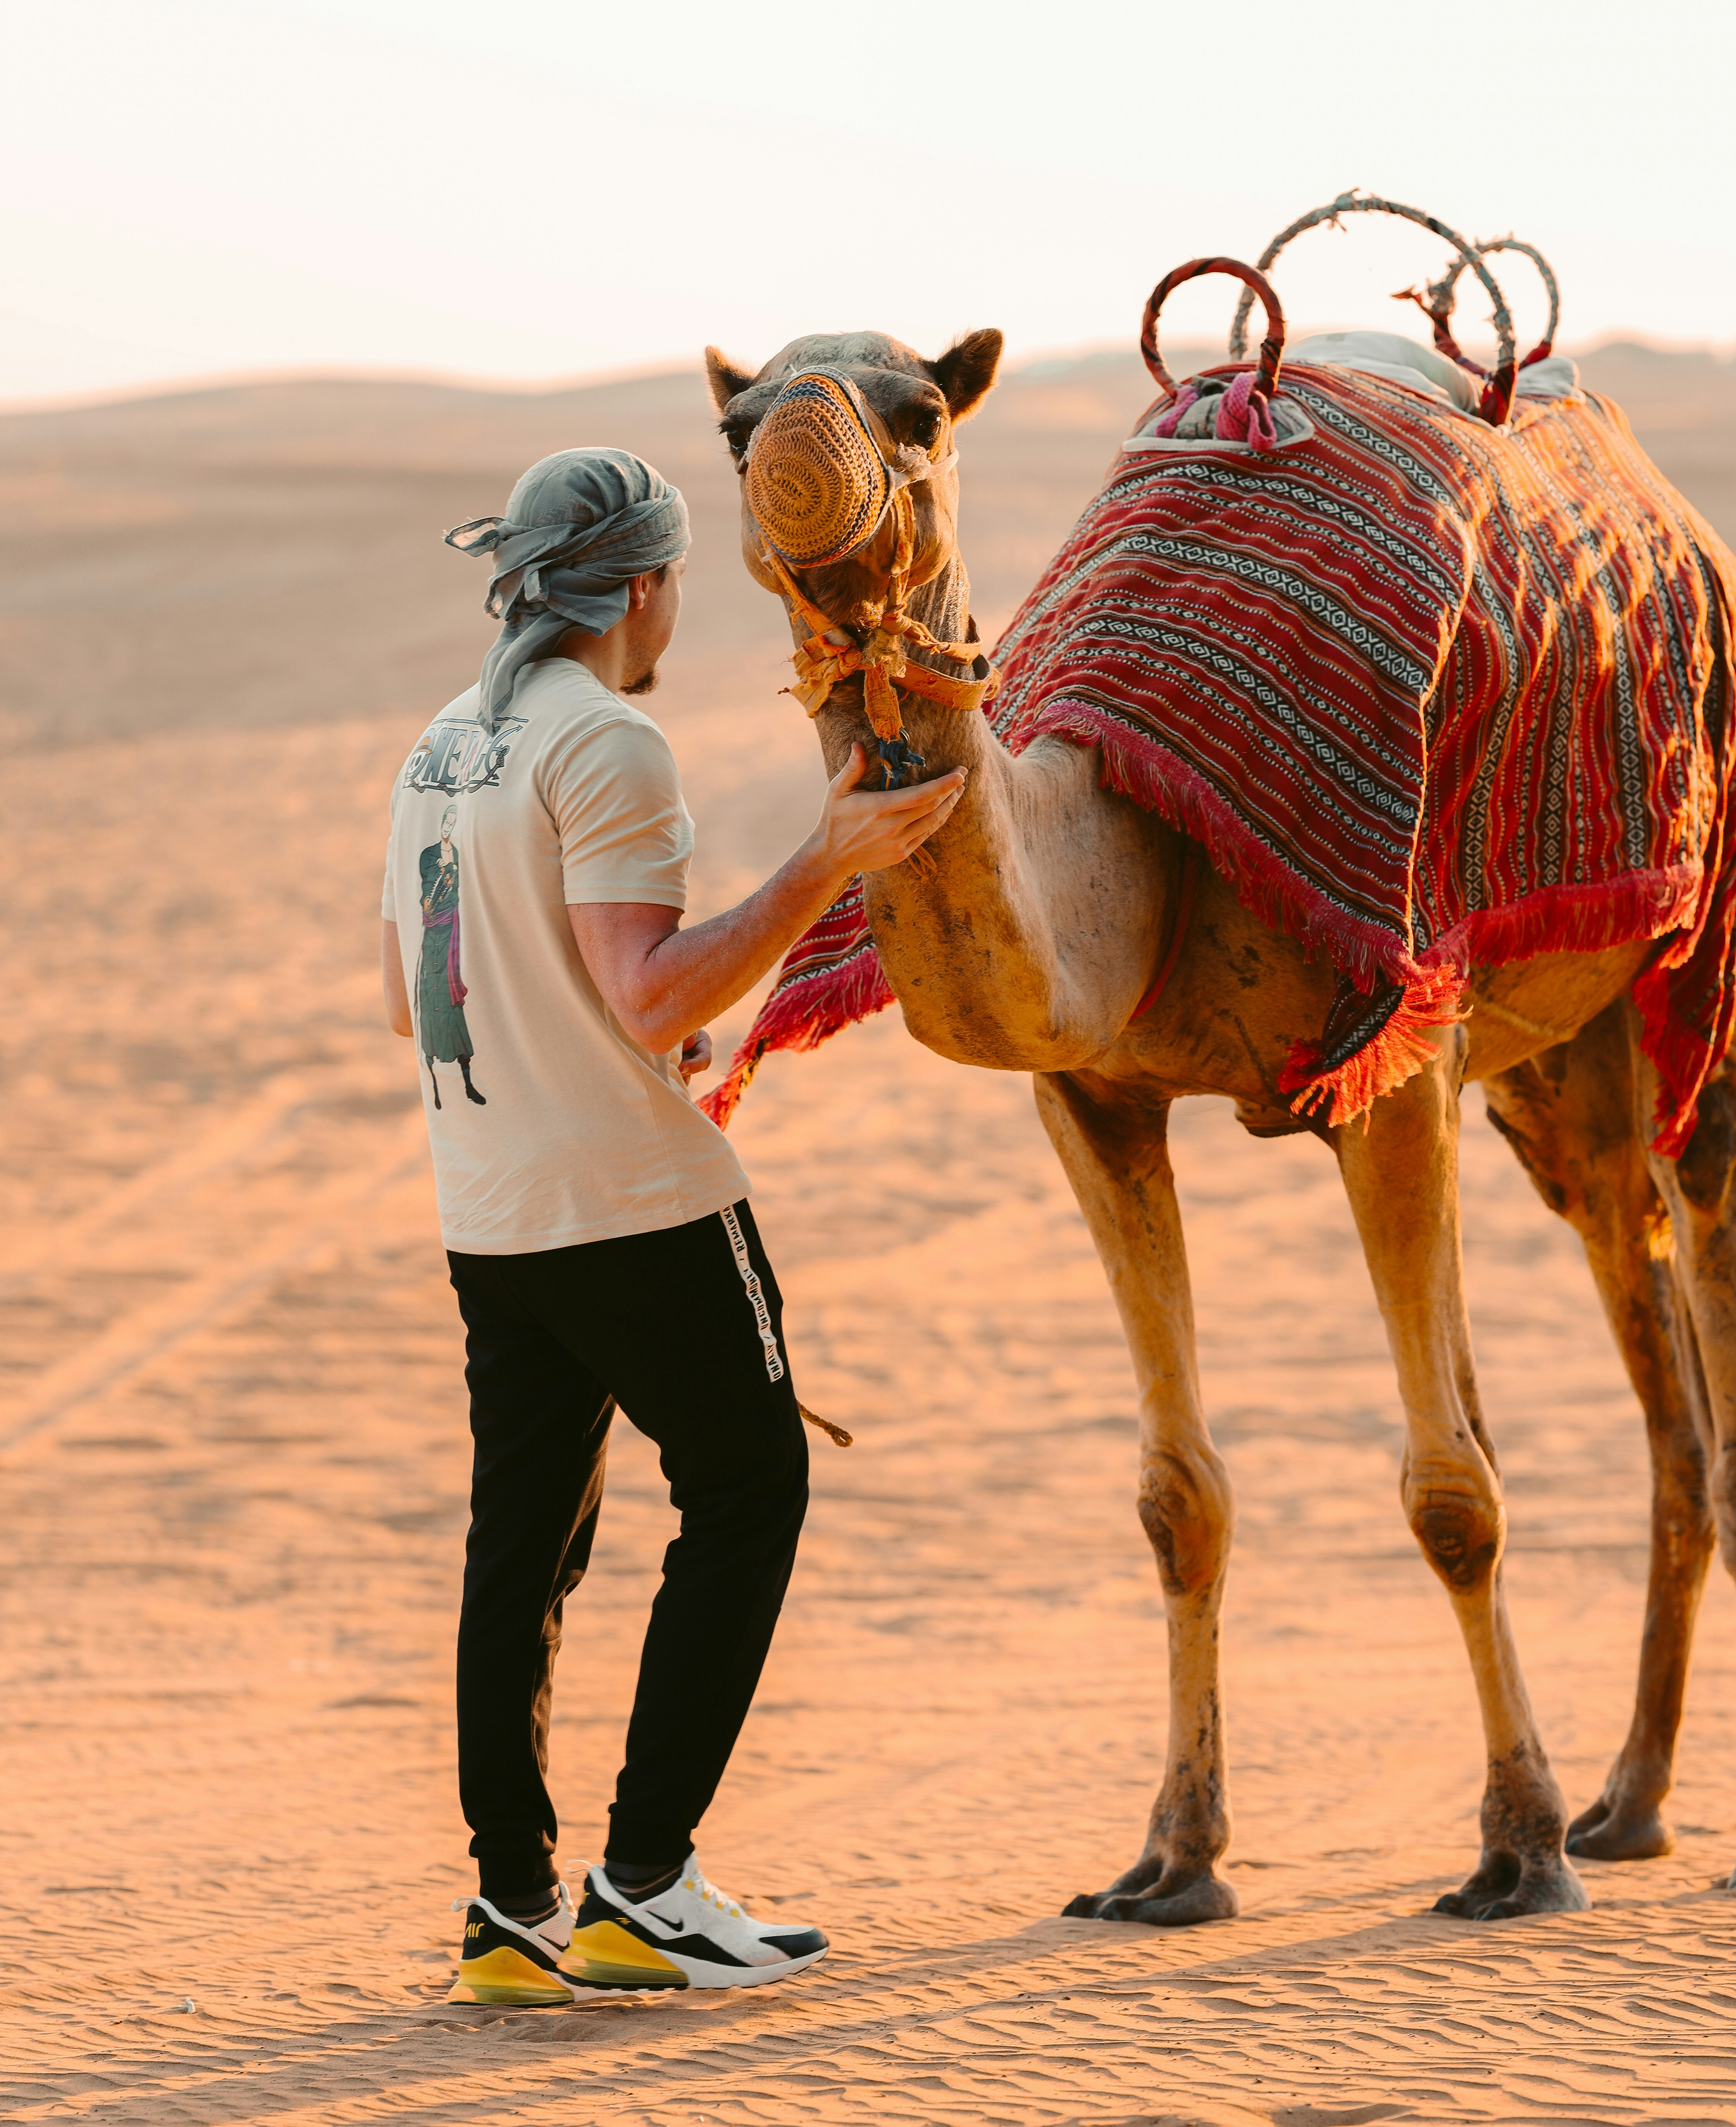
(821, 665)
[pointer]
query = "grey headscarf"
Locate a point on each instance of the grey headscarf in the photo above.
(577, 527)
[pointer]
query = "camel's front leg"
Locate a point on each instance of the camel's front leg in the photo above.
(1117, 1158)
(1401, 1172)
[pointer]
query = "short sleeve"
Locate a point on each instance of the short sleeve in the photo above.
(615, 798)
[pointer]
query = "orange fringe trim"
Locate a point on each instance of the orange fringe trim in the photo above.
(1398, 1052)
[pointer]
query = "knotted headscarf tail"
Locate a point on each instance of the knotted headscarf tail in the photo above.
(579, 527)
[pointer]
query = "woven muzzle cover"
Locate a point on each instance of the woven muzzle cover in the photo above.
(817, 482)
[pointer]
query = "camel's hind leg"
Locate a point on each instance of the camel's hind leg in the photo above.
(1117, 1158)
(1401, 1173)
(1697, 1193)
(1570, 1115)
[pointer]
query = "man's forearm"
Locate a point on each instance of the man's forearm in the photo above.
(662, 983)
(692, 975)
(392, 983)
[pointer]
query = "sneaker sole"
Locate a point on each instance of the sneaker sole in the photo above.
(606, 1957)
(505, 1978)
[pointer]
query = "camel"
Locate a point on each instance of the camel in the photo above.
(1025, 942)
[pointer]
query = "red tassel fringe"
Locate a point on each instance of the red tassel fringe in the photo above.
(1398, 1052)
(800, 1015)
(1576, 919)
(1556, 919)
(810, 1010)
(1157, 779)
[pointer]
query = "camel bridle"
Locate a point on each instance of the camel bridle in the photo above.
(888, 634)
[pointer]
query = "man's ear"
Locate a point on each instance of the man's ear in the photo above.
(967, 370)
(725, 379)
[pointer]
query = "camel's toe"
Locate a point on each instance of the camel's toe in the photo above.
(1208, 1899)
(1552, 1887)
(1620, 1835)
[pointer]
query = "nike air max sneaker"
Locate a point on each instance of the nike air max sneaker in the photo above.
(691, 1935)
(513, 1962)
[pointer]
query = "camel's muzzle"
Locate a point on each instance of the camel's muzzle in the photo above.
(820, 487)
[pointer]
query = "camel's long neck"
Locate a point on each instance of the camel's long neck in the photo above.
(1026, 939)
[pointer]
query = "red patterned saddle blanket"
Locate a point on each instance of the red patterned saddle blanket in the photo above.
(1430, 692)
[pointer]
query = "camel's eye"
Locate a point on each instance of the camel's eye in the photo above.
(924, 428)
(736, 437)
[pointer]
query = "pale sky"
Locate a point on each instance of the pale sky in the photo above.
(520, 189)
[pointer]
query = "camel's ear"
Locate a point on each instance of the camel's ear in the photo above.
(725, 379)
(967, 370)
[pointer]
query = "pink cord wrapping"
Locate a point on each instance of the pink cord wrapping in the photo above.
(1244, 415)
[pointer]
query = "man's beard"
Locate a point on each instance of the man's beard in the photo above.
(644, 683)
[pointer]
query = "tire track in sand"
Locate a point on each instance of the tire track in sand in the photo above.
(128, 1345)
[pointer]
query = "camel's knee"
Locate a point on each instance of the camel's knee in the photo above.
(1188, 1514)
(1455, 1512)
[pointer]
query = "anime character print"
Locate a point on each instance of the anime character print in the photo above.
(444, 1036)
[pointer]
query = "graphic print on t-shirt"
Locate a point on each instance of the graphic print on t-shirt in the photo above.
(456, 757)
(443, 1034)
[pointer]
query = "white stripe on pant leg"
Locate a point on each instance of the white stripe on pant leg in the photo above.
(761, 1313)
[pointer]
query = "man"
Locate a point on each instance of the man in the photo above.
(596, 1222)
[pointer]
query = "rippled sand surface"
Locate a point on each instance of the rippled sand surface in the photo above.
(233, 1451)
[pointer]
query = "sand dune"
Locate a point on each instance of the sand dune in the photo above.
(232, 1446)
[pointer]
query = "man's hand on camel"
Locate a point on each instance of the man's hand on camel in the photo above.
(696, 1055)
(870, 830)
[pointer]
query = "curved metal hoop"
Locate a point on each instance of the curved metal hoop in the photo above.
(1271, 348)
(1437, 300)
(1498, 395)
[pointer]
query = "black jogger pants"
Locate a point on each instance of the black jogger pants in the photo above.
(683, 1328)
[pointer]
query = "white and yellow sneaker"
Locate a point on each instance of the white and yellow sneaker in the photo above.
(691, 1935)
(508, 1962)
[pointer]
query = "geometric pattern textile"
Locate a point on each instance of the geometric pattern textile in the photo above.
(830, 977)
(1430, 692)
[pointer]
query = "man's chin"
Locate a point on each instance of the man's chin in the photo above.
(646, 683)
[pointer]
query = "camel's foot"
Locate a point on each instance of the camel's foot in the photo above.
(1505, 1886)
(1159, 1895)
(1618, 1827)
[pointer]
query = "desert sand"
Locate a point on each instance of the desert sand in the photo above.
(233, 1443)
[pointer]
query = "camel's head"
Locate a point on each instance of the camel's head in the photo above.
(910, 408)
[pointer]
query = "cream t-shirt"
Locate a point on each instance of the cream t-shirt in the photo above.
(551, 1125)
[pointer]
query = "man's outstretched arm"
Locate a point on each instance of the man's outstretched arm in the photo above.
(662, 982)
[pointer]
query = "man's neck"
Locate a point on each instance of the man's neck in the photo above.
(603, 656)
